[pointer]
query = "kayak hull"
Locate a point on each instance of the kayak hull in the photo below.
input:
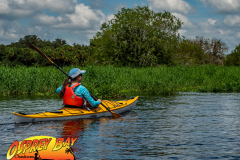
(78, 113)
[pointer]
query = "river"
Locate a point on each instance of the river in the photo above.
(181, 126)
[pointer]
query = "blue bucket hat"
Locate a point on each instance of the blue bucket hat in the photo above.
(75, 72)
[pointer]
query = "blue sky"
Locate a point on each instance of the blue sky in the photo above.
(77, 21)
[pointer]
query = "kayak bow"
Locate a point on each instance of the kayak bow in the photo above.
(78, 113)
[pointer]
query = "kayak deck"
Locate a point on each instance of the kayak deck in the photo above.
(71, 113)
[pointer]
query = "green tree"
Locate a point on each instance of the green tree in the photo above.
(38, 42)
(233, 59)
(2, 52)
(23, 42)
(138, 37)
(187, 53)
(58, 42)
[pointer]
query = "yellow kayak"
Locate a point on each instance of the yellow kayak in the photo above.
(77, 113)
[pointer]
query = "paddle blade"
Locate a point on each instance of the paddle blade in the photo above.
(115, 115)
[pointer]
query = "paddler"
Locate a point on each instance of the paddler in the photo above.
(75, 94)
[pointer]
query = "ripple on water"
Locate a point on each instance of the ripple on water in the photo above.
(182, 126)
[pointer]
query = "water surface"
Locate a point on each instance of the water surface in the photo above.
(182, 126)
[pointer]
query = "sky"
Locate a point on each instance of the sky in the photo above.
(77, 21)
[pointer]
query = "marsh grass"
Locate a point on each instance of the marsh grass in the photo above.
(106, 81)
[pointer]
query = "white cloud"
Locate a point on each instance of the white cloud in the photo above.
(212, 21)
(179, 6)
(224, 6)
(69, 42)
(9, 30)
(232, 20)
(83, 18)
(45, 20)
(109, 17)
(12, 31)
(226, 32)
(207, 28)
(186, 22)
(181, 31)
(14, 9)
(9, 10)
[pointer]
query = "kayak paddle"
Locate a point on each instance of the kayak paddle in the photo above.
(40, 52)
(115, 115)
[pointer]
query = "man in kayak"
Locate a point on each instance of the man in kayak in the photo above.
(73, 93)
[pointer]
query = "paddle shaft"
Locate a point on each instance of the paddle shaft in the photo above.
(40, 52)
(115, 115)
(100, 103)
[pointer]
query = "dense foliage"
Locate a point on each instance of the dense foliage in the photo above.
(137, 37)
(233, 59)
(33, 39)
(20, 53)
(108, 81)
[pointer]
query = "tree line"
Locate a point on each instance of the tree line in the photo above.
(136, 37)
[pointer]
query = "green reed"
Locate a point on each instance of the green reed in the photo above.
(106, 81)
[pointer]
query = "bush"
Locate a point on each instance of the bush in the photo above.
(233, 59)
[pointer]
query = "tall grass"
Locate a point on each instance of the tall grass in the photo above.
(105, 81)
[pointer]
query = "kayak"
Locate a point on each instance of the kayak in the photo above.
(67, 113)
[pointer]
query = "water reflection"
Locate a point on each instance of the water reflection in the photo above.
(73, 128)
